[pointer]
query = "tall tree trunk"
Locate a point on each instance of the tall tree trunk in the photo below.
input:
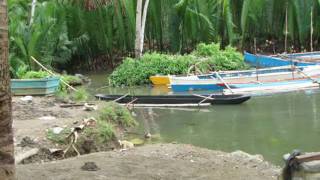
(33, 8)
(138, 27)
(141, 17)
(7, 168)
(311, 29)
(286, 33)
(143, 25)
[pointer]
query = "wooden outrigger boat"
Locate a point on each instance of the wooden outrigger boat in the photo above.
(298, 59)
(214, 81)
(175, 100)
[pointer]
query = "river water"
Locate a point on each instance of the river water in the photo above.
(269, 125)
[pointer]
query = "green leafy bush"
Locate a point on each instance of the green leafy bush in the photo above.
(206, 57)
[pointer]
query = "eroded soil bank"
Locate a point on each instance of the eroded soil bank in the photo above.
(159, 161)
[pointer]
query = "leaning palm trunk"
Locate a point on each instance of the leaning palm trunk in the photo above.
(7, 169)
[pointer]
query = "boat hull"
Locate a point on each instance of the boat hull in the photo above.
(195, 87)
(176, 99)
(43, 86)
(212, 83)
(272, 87)
(159, 80)
(271, 61)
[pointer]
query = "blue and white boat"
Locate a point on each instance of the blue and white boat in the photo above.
(215, 80)
(273, 87)
(299, 59)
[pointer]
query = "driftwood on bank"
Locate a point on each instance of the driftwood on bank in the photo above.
(75, 105)
(22, 156)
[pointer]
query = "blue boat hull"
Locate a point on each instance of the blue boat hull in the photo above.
(34, 86)
(195, 87)
(269, 61)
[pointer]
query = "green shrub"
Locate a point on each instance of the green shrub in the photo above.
(206, 57)
(115, 113)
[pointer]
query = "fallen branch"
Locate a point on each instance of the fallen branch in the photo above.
(75, 105)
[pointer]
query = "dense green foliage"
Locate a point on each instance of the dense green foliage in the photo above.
(66, 32)
(205, 57)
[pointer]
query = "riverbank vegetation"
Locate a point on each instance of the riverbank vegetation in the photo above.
(103, 131)
(97, 34)
(206, 57)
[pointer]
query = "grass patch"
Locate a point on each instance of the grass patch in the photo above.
(80, 95)
(111, 115)
(58, 138)
(117, 114)
(104, 132)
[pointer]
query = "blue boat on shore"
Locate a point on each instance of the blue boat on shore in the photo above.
(213, 82)
(42, 86)
(273, 87)
(299, 59)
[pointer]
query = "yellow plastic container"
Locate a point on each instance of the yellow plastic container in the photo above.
(159, 80)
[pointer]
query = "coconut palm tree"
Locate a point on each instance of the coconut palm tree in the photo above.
(7, 168)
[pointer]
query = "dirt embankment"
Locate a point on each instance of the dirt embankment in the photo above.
(159, 161)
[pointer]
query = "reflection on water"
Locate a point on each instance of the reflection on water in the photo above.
(267, 125)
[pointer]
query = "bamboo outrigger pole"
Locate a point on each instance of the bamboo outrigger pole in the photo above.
(50, 72)
(220, 78)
